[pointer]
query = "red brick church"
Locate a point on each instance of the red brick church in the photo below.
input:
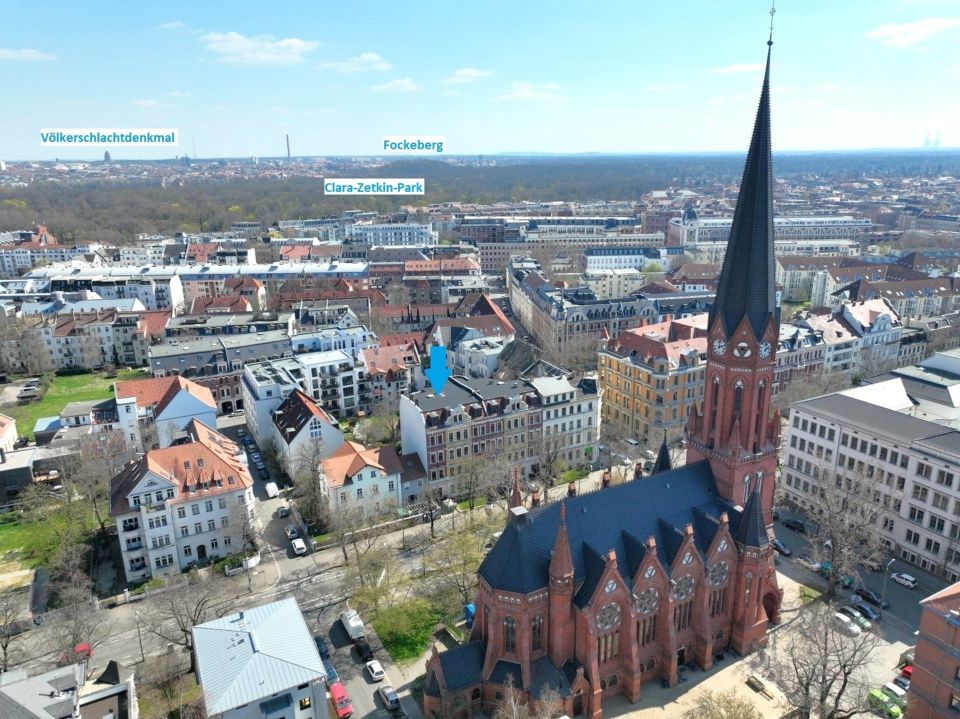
(600, 593)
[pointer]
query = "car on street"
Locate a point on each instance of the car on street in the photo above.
(341, 701)
(375, 670)
(331, 672)
(883, 704)
(796, 525)
(847, 625)
(291, 531)
(299, 547)
(826, 571)
(247, 440)
(857, 617)
(782, 548)
(808, 563)
(364, 650)
(264, 475)
(902, 682)
(872, 597)
(322, 649)
(255, 455)
(389, 697)
(283, 512)
(904, 580)
(907, 671)
(865, 609)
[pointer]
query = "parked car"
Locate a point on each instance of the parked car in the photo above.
(632, 442)
(375, 670)
(902, 682)
(322, 649)
(781, 548)
(907, 671)
(808, 563)
(340, 700)
(247, 440)
(291, 531)
(826, 570)
(865, 609)
(364, 650)
(847, 625)
(299, 547)
(904, 580)
(857, 617)
(272, 490)
(883, 704)
(255, 455)
(331, 672)
(868, 595)
(796, 525)
(352, 624)
(898, 695)
(283, 512)
(264, 475)
(389, 697)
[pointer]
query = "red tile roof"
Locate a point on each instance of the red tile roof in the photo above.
(158, 392)
(351, 457)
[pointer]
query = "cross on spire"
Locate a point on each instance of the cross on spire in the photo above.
(773, 11)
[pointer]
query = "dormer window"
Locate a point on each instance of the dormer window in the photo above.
(200, 463)
(186, 464)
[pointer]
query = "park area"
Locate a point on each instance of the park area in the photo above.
(65, 389)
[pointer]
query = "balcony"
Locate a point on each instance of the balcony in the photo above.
(133, 545)
(131, 525)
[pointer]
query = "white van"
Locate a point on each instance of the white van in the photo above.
(632, 442)
(896, 693)
(272, 490)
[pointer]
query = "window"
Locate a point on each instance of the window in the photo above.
(936, 523)
(211, 525)
(912, 537)
(188, 551)
(208, 505)
(359, 492)
(222, 502)
(510, 635)
(181, 512)
(916, 515)
(608, 646)
(197, 528)
(213, 543)
(195, 508)
(718, 601)
(537, 633)
(945, 478)
(919, 492)
(647, 630)
(682, 614)
(924, 470)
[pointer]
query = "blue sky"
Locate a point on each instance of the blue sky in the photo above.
(537, 76)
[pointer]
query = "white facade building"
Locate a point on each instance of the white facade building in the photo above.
(364, 479)
(389, 235)
(166, 403)
(302, 432)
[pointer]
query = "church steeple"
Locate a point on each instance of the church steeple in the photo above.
(663, 457)
(747, 282)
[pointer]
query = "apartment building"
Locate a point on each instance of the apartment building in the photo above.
(161, 408)
(392, 234)
(871, 433)
(935, 682)
(302, 432)
(651, 376)
(182, 505)
(476, 417)
(217, 362)
(393, 371)
(346, 337)
(691, 228)
(633, 257)
(714, 252)
(357, 478)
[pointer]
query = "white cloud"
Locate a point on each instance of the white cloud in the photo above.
(361, 63)
(179, 93)
(24, 55)
(738, 69)
(402, 85)
(237, 49)
(467, 74)
(170, 25)
(911, 33)
(528, 91)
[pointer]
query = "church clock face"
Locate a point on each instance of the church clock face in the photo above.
(764, 349)
(742, 350)
(719, 573)
(684, 587)
(687, 558)
(719, 347)
(647, 600)
(608, 616)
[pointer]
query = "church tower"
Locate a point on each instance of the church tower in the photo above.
(734, 431)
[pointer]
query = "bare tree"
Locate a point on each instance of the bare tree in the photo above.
(12, 603)
(722, 705)
(101, 457)
(174, 613)
(454, 561)
(310, 485)
(383, 424)
(377, 579)
(848, 506)
(79, 619)
(823, 671)
(483, 476)
(551, 463)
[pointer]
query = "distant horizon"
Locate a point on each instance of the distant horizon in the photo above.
(442, 158)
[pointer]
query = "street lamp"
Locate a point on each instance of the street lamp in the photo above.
(883, 592)
(143, 657)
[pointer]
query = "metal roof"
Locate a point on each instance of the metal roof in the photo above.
(253, 654)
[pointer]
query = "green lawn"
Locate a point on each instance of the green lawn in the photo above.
(73, 388)
(405, 629)
(572, 475)
(31, 544)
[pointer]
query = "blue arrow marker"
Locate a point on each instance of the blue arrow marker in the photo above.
(438, 374)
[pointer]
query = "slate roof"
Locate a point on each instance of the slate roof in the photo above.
(503, 669)
(463, 665)
(619, 518)
(747, 285)
(750, 531)
(663, 457)
(543, 675)
(249, 656)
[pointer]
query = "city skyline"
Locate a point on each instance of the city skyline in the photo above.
(514, 80)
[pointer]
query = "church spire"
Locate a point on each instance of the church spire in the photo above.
(747, 284)
(663, 457)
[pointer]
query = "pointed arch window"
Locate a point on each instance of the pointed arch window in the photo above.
(714, 401)
(536, 633)
(761, 414)
(759, 482)
(510, 635)
(737, 399)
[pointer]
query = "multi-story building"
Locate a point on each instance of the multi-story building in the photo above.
(393, 371)
(568, 321)
(571, 240)
(634, 257)
(357, 478)
(217, 362)
(934, 691)
(613, 284)
(714, 252)
(302, 433)
(208, 324)
(795, 274)
(160, 408)
(477, 417)
(917, 219)
(182, 504)
(651, 376)
(380, 235)
(690, 228)
(600, 593)
(345, 337)
(271, 642)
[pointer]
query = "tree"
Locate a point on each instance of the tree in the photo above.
(309, 484)
(382, 426)
(12, 602)
(79, 620)
(551, 463)
(101, 457)
(514, 704)
(377, 578)
(822, 671)
(722, 705)
(174, 613)
(847, 507)
(810, 385)
(454, 561)
(484, 476)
